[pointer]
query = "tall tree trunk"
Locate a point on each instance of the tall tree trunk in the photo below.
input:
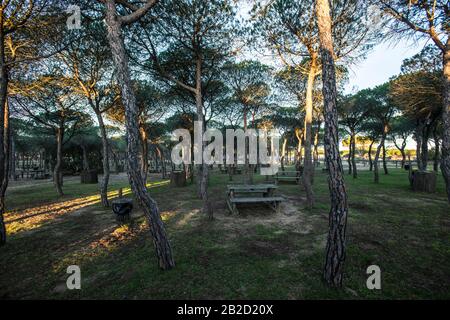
(402, 150)
(57, 171)
(349, 156)
(316, 144)
(105, 160)
(419, 138)
(144, 155)
(424, 147)
(299, 135)
(4, 129)
(308, 165)
(436, 150)
(370, 155)
(376, 175)
(12, 160)
(283, 153)
(5, 151)
(384, 158)
(207, 207)
(148, 205)
(445, 156)
(247, 167)
(335, 249)
(156, 156)
(353, 144)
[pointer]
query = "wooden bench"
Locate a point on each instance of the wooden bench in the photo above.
(273, 202)
(239, 194)
(288, 176)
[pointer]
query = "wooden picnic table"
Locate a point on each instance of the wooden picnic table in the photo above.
(265, 189)
(288, 176)
(235, 195)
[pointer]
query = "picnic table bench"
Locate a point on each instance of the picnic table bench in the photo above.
(288, 176)
(232, 170)
(239, 194)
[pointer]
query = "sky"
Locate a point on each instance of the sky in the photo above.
(383, 62)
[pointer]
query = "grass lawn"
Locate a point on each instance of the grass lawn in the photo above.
(256, 255)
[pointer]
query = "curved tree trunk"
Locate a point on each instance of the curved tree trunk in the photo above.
(299, 136)
(308, 165)
(370, 155)
(376, 175)
(144, 155)
(316, 145)
(57, 171)
(105, 161)
(402, 151)
(445, 156)
(349, 157)
(148, 205)
(335, 249)
(384, 158)
(283, 154)
(403, 158)
(155, 157)
(353, 144)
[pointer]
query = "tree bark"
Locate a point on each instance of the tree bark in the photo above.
(5, 150)
(57, 171)
(308, 164)
(149, 206)
(12, 161)
(424, 147)
(299, 135)
(335, 249)
(418, 146)
(353, 144)
(316, 144)
(436, 150)
(349, 156)
(203, 172)
(144, 155)
(105, 160)
(248, 167)
(376, 175)
(283, 153)
(4, 129)
(445, 156)
(370, 155)
(384, 158)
